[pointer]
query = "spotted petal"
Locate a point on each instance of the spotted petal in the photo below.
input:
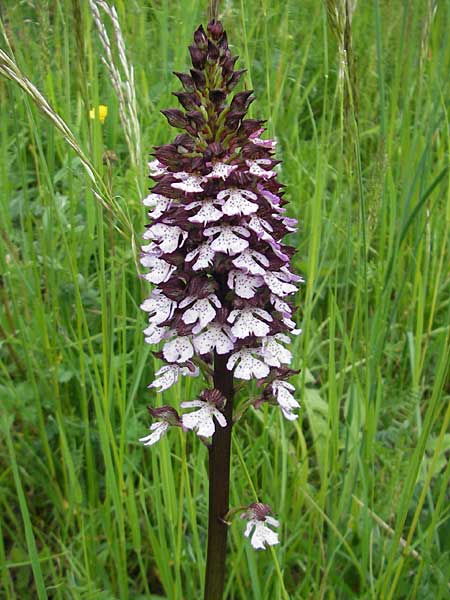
(237, 202)
(202, 420)
(246, 322)
(205, 255)
(208, 213)
(248, 367)
(273, 352)
(244, 285)
(159, 203)
(251, 261)
(189, 183)
(160, 270)
(282, 392)
(201, 312)
(170, 237)
(178, 350)
(159, 307)
(227, 241)
(158, 430)
(215, 337)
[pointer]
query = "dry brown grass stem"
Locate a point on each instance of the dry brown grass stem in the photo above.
(121, 74)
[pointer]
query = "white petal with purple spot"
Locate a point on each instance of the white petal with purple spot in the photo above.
(237, 202)
(227, 241)
(178, 350)
(248, 367)
(251, 261)
(208, 213)
(170, 237)
(158, 430)
(244, 285)
(205, 256)
(246, 322)
(282, 392)
(215, 337)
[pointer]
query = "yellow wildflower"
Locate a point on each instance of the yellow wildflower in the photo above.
(101, 112)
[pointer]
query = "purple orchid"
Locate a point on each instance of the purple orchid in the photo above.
(215, 251)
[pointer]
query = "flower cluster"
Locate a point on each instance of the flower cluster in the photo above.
(214, 248)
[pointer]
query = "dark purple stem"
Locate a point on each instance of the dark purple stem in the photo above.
(219, 486)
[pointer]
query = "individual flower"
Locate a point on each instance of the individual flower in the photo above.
(273, 352)
(237, 202)
(202, 421)
(100, 113)
(248, 366)
(201, 311)
(258, 518)
(282, 393)
(169, 374)
(166, 416)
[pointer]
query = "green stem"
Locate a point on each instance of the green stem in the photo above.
(219, 487)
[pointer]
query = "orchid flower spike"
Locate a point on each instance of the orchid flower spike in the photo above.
(221, 271)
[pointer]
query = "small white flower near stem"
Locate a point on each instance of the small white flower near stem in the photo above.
(252, 261)
(166, 416)
(201, 311)
(202, 420)
(244, 285)
(277, 283)
(248, 367)
(282, 393)
(170, 237)
(258, 517)
(169, 374)
(159, 307)
(178, 350)
(216, 337)
(208, 213)
(261, 227)
(154, 334)
(246, 322)
(255, 168)
(273, 352)
(160, 270)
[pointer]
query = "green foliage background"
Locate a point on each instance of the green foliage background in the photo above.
(360, 482)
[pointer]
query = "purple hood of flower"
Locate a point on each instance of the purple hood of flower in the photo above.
(214, 246)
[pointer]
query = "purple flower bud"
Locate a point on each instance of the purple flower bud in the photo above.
(201, 38)
(242, 101)
(198, 78)
(175, 117)
(215, 29)
(189, 101)
(198, 57)
(186, 81)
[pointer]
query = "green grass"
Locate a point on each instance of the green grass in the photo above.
(360, 482)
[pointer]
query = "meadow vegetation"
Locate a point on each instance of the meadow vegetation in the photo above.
(360, 483)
